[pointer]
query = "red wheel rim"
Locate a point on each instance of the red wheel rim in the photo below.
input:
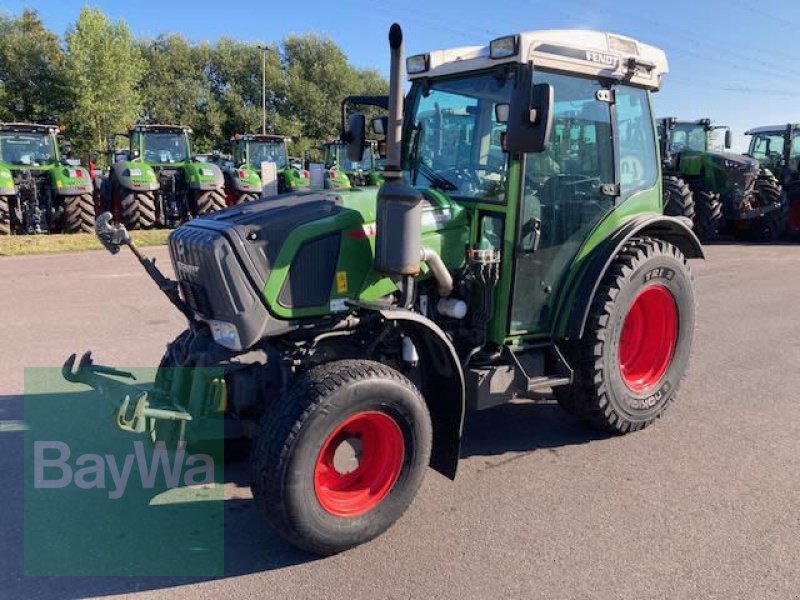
(648, 340)
(358, 464)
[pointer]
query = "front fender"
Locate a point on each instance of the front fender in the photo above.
(204, 176)
(250, 183)
(7, 187)
(442, 384)
(575, 312)
(135, 175)
(72, 180)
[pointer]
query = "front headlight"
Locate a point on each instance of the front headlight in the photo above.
(225, 334)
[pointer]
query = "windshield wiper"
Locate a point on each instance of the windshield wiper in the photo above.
(437, 181)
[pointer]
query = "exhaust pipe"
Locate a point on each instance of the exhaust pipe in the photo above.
(398, 236)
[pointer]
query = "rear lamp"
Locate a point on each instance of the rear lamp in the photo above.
(242, 174)
(418, 63)
(504, 47)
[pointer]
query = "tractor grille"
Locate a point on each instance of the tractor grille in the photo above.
(32, 186)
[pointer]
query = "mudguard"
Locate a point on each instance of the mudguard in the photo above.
(135, 175)
(442, 384)
(72, 180)
(204, 176)
(250, 183)
(7, 187)
(575, 311)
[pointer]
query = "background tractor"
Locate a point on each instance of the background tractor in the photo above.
(360, 173)
(158, 181)
(41, 190)
(719, 190)
(777, 148)
(243, 176)
(349, 333)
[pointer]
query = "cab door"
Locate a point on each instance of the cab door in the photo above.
(567, 190)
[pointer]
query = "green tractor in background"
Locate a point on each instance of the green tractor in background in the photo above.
(349, 333)
(41, 189)
(720, 191)
(158, 182)
(777, 148)
(361, 173)
(243, 177)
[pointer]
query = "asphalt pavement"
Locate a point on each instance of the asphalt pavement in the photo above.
(705, 504)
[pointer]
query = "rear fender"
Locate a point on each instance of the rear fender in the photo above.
(442, 385)
(674, 230)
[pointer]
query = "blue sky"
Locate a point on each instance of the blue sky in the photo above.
(736, 61)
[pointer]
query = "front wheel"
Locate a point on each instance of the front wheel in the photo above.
(137, 209)
(708, 215)
(79, 213)
(340, 457)
(638, 339)
(678, 198)
(5, 216)
(243, 197)
(210, 201)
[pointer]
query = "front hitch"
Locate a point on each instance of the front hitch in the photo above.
(128, 416)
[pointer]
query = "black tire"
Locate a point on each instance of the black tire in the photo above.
(5, 216)
(678, 198)
(210, 202)
(602, 393)
(138, 209)
(769, 193)
(242, 197)
(289, 449)
(79, 214)
(708, 215)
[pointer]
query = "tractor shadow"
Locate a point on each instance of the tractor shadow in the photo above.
(524, 427)
(250, 546)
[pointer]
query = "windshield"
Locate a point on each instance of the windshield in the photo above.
(455, 142)
(687, 136)
(26, 148)
(337, 154)
(767, 146)
(164, 147)
(260, 152)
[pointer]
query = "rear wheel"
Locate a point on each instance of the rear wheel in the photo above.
(5, 216)
(708, 215)
(678, 198)
(79, 213)
(210, 202)
(138, 209)
(340, 458)
(638, 338)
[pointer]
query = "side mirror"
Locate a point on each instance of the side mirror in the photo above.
(380, 125)
(501, 112)
(66, 149)
(355, 137)
(530, 115)
(111, 143)
(728, 139)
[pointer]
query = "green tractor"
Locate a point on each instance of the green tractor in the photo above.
(41, 190)
(720, 191)
(360, 173)
(243, 179)
(158, 181)
(348, 333)
(777, 148)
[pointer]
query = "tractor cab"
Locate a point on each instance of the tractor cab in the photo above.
(243, 177)
(360, 173)
(677, 137)
(160, 145)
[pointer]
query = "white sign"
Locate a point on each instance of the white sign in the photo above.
(317, 176)
(269, 179)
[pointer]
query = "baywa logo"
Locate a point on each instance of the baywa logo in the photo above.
(54, 470)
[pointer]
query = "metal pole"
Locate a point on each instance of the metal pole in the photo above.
(263, 89)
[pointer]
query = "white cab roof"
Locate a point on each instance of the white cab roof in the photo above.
(592, 53)
(775, 129)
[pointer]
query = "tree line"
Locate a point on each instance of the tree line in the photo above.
(100, 78)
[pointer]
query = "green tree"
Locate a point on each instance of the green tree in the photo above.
(31, 88)
(177, 87)
(103, 67)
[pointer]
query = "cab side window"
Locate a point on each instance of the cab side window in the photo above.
(638, 159)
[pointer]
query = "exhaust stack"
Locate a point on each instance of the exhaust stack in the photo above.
(398, 237)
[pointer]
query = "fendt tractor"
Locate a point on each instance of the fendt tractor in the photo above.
(359, 173)
(243, 181)
(41, 190)
(349, 332)
(719, 190)
(158, 181)
(777, 148)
